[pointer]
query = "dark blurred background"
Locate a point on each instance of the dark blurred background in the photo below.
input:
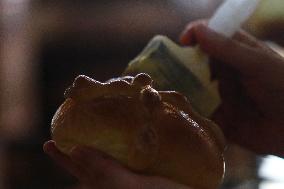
(44, 45)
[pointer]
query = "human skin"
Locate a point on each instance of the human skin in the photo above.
(96, 170)
(251, 78)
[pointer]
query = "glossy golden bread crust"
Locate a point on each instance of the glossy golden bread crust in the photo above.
(151, 132)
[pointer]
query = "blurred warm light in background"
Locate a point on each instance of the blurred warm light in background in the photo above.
(18, 76)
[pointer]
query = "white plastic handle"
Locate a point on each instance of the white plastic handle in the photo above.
(231, 15)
